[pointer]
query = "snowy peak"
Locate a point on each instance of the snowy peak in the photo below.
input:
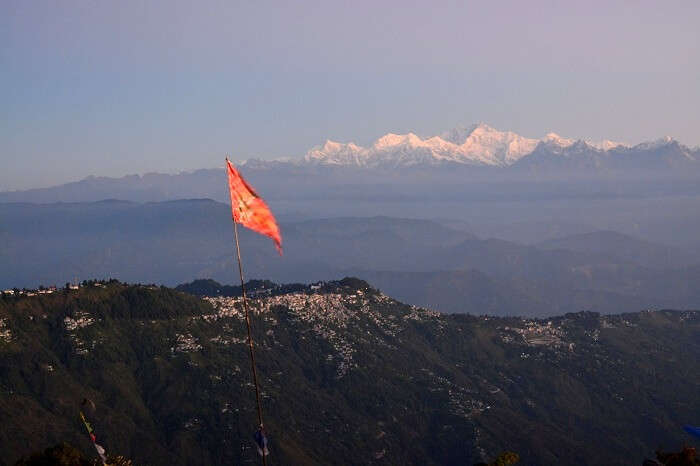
(459, 135)
(392, 140)
(479, 145)
(497, 147)
(554, 139)
(474, 145)
(336, 153)
(652, 145)
(488, 145)
(605, 144)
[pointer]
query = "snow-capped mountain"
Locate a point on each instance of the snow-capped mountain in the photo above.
(483, 146)
(656, 156)
(489, 145)
(479, 145)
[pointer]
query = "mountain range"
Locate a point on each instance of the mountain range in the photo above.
(478, 144)
(482, 145)
(486, 158)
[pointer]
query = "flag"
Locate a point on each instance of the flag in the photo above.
(249, 209)
(100, 450)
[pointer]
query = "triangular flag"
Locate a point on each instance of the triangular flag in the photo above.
(249, 209)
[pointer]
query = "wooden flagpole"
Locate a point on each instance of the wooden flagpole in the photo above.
(250, 338)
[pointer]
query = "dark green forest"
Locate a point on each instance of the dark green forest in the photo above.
(348, 376)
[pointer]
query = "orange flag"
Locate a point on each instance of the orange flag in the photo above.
(249, 209)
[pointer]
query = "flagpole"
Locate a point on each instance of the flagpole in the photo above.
(250, 338)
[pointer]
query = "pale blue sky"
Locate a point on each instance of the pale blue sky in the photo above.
(111, 88)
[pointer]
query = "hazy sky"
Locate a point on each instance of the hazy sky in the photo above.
(110, 88)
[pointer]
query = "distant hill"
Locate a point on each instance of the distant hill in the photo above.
(618, 248)
(459, 291)
(348, 376)
(419, 261)
(173, 242)
(471, 291)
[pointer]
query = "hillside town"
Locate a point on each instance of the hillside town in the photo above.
(39, 291)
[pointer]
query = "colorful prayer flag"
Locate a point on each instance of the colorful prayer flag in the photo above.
(100, 451)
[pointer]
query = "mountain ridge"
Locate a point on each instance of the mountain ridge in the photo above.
(348, 376)
(478, 145)
(479, 153)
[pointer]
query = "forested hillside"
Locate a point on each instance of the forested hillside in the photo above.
(348, 375)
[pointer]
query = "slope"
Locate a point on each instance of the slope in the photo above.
(349, 376)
